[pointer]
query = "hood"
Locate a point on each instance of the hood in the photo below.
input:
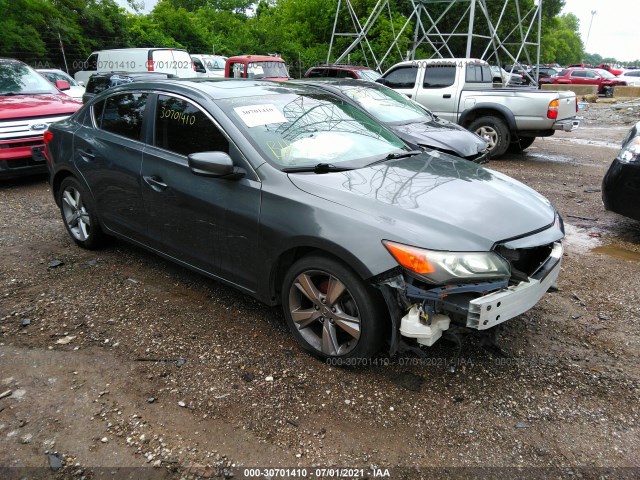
(40, 105)
(435, 201)
(441, 135)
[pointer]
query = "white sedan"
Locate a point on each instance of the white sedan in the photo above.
(632, 77)
(52, 74)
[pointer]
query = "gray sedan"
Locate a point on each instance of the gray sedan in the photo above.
(298, 198)
(408, 119)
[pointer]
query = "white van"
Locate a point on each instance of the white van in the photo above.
(165, 60)
(208, 65)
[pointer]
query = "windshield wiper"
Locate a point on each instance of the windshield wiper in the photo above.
(396, 155)
(318, 168)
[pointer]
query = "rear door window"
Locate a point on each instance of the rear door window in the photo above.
(123, 114)
(440, 76)
(183, 128)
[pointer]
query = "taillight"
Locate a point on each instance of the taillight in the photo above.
(150, 65)
(577, 106)
(552, 111)
(48, 136)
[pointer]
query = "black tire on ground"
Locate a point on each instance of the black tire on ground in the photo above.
(78, 214)
(330, 311)
(521, 144)
(494, 131)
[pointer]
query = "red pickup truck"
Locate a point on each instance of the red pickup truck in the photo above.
(28, 105)
(261, 67)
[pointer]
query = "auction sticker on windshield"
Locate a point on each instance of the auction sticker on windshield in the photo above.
(254, 115)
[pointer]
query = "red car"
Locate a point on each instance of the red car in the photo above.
(339, 70)
(610, 69)
(28, 105)
(258, 67)
(588, 76)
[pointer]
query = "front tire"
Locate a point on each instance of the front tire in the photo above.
(78, 214)
(495, 133)
(330, 311)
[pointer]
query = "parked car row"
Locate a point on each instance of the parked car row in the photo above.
(604, 80)
(339, 199)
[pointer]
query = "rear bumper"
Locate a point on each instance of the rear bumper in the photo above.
(567, 124)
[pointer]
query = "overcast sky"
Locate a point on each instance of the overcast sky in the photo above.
(615, 30)
(614, 33)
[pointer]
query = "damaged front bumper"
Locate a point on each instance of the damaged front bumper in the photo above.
(427, 312)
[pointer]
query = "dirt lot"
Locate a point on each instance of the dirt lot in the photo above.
(117, 358)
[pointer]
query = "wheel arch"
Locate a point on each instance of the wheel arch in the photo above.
(58, 178)
(288, 257)
(489, 110)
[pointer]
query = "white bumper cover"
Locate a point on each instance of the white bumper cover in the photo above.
(497, 307)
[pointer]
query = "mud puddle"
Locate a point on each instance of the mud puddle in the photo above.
(617, 252)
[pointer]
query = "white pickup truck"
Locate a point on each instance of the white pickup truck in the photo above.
(461, 90)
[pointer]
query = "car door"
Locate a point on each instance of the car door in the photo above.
(209, 223)
(438, 91)
(403, 79)
(108, 154)
(579, 77)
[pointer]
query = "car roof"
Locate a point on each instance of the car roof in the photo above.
(342, 66)
(218, 88)
(133, 74)
(338, 83)
(257, 58)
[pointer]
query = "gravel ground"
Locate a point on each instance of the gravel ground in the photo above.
(118, 361)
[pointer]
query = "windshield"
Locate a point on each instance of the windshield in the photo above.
(53, 76)
(267, 70)
(214, 63)
(370, 75)
(302, 130)
(19, 79)
(605, 73)
(386, 105)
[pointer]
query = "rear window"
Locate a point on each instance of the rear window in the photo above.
(478, 74)
(97, 84)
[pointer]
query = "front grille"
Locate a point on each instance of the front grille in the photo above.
(28, 143)
(525, 261)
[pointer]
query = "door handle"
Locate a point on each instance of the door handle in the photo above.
(87, 155)
(446, 95)
(155, 183)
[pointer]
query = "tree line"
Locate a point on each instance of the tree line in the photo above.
(37, 31)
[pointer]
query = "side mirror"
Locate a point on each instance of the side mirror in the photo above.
(62, 85)
(381, 81)
(214, 164)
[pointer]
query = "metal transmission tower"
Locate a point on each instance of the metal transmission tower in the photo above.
(425, 30)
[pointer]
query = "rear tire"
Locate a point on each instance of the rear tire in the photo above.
(521, 144)
(79, 215)
(330, 311)
(494, 131)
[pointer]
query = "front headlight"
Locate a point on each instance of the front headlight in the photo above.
(630, 152)
(449, 267)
